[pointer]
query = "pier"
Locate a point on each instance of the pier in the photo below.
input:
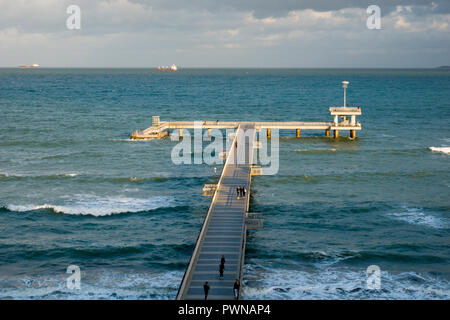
(344, 120)
(224, 229)
(225, 226)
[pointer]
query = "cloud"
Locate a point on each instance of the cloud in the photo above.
(224, 33)
(271, 8)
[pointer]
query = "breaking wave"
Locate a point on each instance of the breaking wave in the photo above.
(281, 284)
(99, 206)
(103, 285)
(418, 217)
(445, 150)
(4, 176)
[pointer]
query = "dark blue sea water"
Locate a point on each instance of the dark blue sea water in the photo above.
(75, 190)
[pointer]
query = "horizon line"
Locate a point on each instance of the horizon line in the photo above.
(155, 67)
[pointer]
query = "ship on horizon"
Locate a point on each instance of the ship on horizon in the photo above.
(32, 66)
(167, 68)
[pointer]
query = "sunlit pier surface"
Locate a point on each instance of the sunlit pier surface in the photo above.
(344, 120)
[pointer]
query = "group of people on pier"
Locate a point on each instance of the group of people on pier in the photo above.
(240, 191)
(236, 285)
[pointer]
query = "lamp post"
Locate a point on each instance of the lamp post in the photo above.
(215, 169)
(345, 85)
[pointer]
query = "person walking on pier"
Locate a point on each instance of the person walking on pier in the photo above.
(221, 268)
(238, 192)
(222, 260)
(206, 289)
(244, 191)
(236, 289)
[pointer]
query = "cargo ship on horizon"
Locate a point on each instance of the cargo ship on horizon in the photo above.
(32, 66)
(166, 68)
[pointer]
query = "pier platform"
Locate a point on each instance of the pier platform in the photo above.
(161, 129)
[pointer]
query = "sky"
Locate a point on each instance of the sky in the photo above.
(221, 33)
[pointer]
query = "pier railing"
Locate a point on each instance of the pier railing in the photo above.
(247, 205)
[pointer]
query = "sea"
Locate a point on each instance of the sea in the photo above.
(343, 219)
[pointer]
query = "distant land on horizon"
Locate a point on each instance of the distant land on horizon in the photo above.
(217, 67)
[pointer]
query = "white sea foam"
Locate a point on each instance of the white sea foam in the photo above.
(100, 206)
(99, 285)
(417, 216)
(332, 283)
(71, 174)
(19, 175)
(267, 284)
(445, 150)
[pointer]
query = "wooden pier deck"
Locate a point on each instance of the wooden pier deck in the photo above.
(224, 228)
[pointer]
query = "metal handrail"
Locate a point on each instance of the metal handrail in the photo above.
(241, 273)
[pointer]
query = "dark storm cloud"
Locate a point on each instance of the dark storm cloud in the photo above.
(277, 8)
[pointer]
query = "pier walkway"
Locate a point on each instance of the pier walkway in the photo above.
(224, 228)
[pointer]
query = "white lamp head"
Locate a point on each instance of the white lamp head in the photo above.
(345, 84)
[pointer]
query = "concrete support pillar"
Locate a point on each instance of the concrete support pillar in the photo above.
(181, 133)
(353, 120)
(327, 132)
(268, 133)
(336, 119)
(297, 133)
(336, 134)
(209, 132)
(353, 134)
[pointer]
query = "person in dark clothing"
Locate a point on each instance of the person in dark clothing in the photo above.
(241, 191)
(237, 192)
(244, 191)
(206, 289)
(222, 260)
(236, 288)
(221, 268)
